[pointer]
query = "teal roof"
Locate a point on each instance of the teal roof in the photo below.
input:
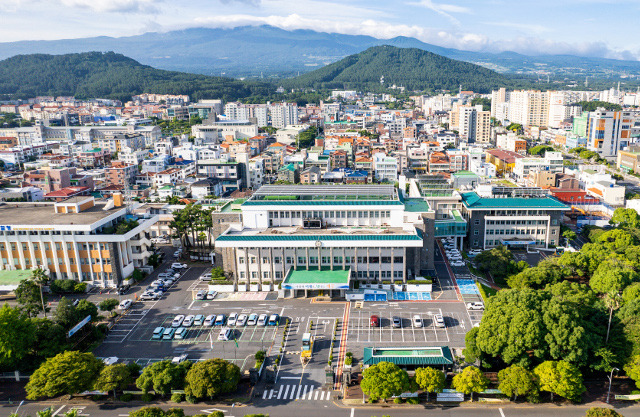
(473, 201)
(262, 238)
(408, 356)
(464, 174)
(323, 202)
(317, 276)
(416, 205)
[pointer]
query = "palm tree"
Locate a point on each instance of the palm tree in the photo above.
(613, 301)
(40, 277)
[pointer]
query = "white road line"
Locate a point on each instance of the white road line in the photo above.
(353, 411)
(322, 395)
(328, 395)
(57, 411)
(286, 391)
(304, 392)
(280, 392)
(293, 392)
(311, 392)
(271, 394)
(316, 396)
(501, 412)
(264, 395)
(298, 393)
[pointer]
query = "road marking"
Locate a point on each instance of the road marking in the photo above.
(316, 396)
(353, 411)
(286, 391)
(264, 395)
(271, 394)
(501, 412)
(298, 394)
(328, 395)
(57, 411)
(279, 392)
(304, 392)
(293, 392)
(311, 392)
(288, 377)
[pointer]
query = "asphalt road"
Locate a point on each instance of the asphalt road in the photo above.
(328, 409)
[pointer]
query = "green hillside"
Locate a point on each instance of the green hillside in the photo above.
(111, 75)
(412, 68)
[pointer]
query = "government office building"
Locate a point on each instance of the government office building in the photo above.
(362, 230)
(75, 239)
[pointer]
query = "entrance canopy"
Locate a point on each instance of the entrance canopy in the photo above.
(317, 279)
(518, 242)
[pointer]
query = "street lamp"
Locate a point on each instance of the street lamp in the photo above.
(610, 379)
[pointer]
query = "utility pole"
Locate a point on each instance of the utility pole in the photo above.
(610, 380)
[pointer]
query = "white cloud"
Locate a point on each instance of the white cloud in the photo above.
(120, 6)
(443, 9)
(524, 27)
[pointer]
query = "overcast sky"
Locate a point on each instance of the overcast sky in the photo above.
(604, 28)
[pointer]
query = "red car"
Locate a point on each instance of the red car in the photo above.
(375, 321)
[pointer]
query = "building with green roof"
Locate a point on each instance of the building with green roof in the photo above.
(516, 222)
(410, 358)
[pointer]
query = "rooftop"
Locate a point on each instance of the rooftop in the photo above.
(408, 355)
(472, 200)
(324, 275)
(13, 278)
(325, 194)
(416, 205)
(39, 214)
(338, 233)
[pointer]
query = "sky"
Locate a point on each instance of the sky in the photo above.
(601, 28)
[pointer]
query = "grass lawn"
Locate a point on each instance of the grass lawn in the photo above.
(486, 292)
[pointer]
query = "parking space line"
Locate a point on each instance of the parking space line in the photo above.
(424, 330)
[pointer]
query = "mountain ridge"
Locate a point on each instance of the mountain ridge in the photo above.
(254, 51)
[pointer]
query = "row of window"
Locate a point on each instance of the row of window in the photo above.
(359, 274)
(326, 260)
(518, 232)
(61, 261)
(330, 214)
(58, 246)
(515, 222)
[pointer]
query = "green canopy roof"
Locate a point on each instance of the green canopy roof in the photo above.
(414, 356)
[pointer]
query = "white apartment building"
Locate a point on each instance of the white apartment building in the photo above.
(283, 114)
(385, 167)
(551, 162)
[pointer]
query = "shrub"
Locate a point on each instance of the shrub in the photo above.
(191, 399)
(348, 360)
(602, 412)
(349, 354)
(413, 400)
(177, 398)
(147, 398)
(217, 414)
(397, 400)
(126, 397)
(260, 355)
(80, 287)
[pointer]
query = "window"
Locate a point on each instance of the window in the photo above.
(242, 276)
(254, 274)
(313, 260)
(337, 259)
(476, 222)
(241, 260)
(398, 259)
(326, 260)
(277, 259)
(265, 260)
(265, 274)
(278, 275)
(289, 259)
(386, 259)
(253, 259)
(475, 232)
(302, 260)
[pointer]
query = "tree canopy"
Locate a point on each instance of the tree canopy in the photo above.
(210, 378)
(516, 380)
(16, 336)
(470, 380)
(383, 380)
(560, 377)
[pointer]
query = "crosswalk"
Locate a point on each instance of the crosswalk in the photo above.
(297, 392)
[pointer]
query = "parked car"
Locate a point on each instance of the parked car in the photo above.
(233, 319)
(188, 321)
(201, 295)
(417, 321)
(125, 304)
(220, 319)
(181, 333)
(150, 295)
(225, 334)
(476, 305)
(438, 320)
(177, 265)
(397, 322)
(177, 254)
(253, 319)
(374, 321)
(198, 320)
(157, 333)
(242, 320)
(123, 290)
(205, 277)
(208, 322)
(274, 320)
(168, 333)
(177, 321)
(211, 294)
(262, 320)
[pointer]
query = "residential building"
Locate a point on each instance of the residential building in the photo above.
(289, 173)
(609, 131)
(385, 167)
(629, 160)
(121, 173)
(230, 173)
(551, 162)
(311, 175)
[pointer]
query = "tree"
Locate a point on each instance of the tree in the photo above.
(612, 300)
(148, 412)
(207, 379)
(383, 380)
(632, 292)
(471, 351)
(540, 149)
(69, 372)
(113, 378)
(560, 377)
(85, 308)
(40, 277)
(602, 412)
(108, 304)
(65, 313)
(50, 338)
(614, 274)
(499, 262)
(569, 235)
(616, 240)
(632, 368)
(430, 380)
(162, 377)
(28, 296)
(516, 380)
(625, 217)
(470, 380)
(16, 336)
(546, 272)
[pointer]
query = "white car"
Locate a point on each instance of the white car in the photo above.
(201, 295)
(225, 334)
(188, 321)
(242, 320)
(457, 264)
(205, 277)
(150, 295)
(125, 304)
(177, 321)
(177, 265)
(417, 321)
(179, 359)
(208, 322)
(476, 305)
(438, 320)
(233, 319)
(262, 320)
(253, 319)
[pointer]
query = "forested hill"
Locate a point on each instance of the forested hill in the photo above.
(110, 75)
(412, 68)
